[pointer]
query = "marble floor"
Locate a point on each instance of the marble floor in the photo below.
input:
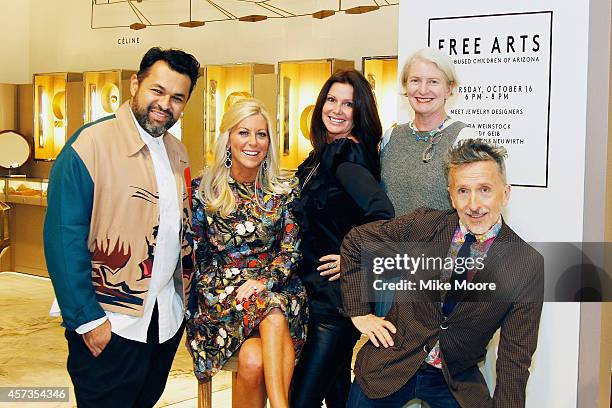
(33, 349)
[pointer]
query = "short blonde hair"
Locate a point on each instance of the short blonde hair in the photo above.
(214, 188)
(442, 61)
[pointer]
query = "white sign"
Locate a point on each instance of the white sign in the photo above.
(504, 66)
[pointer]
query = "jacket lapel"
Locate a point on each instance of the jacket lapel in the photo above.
(496, 256)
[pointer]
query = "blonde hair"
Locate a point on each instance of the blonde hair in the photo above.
(442, 61)
(214, 188)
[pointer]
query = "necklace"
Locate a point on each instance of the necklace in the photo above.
(312, 172)
(430, 134)
(433, 138)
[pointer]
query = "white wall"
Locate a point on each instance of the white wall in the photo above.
(555, 213)
(15, 34)
(60, 39)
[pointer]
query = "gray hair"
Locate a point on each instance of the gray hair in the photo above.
(442, 61)
(475, 150)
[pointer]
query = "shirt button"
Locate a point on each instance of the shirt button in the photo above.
(444, 326)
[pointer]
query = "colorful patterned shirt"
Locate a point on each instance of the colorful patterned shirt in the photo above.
(478, 250)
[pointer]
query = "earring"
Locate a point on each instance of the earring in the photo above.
(228, 158)
(265, 164)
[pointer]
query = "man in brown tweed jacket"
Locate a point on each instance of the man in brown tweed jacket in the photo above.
(430, 343)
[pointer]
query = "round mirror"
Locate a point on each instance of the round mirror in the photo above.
(306, 120)
(59, 105)
(14, 149)
(110, 98)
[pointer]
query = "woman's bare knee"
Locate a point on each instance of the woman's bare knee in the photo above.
(250, 365)
(275, 320)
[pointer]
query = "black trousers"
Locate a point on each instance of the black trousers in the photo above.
(324, 369)
(126, 374)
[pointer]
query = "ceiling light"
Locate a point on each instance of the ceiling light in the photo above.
(191, 23)
(253, 18)
(323, 14)
(361, 9)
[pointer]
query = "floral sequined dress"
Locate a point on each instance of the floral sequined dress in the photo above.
(250, 244)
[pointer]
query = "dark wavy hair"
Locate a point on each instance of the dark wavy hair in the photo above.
(366, 123)
(177, 60)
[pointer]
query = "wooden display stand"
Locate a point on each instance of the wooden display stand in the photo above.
(299, 85)
(26, 250)
(28, 207)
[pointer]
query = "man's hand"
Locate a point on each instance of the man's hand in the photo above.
(97, 339)
(376, 328)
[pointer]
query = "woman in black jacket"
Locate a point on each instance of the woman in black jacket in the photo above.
(340, 190)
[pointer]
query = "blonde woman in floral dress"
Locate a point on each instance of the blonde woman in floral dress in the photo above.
(245, 294)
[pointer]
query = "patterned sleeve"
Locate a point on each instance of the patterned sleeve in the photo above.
(199, 237)
(288, 243)
(199, 225)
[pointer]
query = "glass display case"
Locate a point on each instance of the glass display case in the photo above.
(21, 190)
(58, 111)
(191, 126)
(299, 85)
(381, 73)
(105, 91)
(226, 84)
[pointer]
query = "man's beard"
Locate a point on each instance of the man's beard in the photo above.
(142, 117)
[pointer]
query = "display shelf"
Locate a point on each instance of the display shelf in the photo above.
(299, 84)
(381, 73)
(44, 189)
(30, 191)
(58, 111)
(226, 84)
(105, 91)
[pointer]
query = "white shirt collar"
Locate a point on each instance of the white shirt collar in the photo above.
(146, 137)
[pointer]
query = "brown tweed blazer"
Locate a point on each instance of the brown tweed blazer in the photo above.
(512, 264)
